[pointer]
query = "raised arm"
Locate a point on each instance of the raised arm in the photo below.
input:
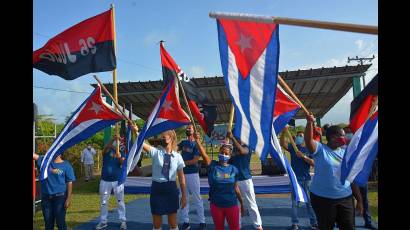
(194, 161)
(309, 141)
(201, 149)
(146, 147)
(282, 140)
(242, 150)
(108, 146)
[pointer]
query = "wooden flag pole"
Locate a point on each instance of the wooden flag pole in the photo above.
(107, 93)
(374, 105)
(298, 22)
(114, 78)
(186, 102)
(292, 142)
(292, 94)
(230, 122)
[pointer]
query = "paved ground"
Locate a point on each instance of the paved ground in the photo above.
(275, 214)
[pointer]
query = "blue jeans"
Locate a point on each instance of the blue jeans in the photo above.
(54, 211)
(366, 214)
(305, 184)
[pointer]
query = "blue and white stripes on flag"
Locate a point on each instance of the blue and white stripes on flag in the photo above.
(277, 155)
(167, 114)
(128, 145)
(360, 153)
(249, 53)
(89, 118)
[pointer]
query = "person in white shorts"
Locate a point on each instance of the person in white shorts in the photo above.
(190, 154)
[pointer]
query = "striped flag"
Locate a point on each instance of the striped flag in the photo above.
(167, 114)
(92, 116)
(127, 146)
(249, 54)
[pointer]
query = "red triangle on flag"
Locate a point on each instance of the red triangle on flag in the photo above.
(283, 103)
(96, 108)
(171, 108)
(247, 41)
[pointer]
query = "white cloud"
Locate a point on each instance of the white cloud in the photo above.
(360, 44)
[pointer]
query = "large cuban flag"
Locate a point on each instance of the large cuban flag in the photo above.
(92, 116)
(249, 54)
(167, 114)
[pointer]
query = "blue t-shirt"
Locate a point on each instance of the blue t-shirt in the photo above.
(299, 166)
(176, 163)
(221, 181)
(58, 177)
(326, 181)
(188, 152)
(111, 169)
(242, 162)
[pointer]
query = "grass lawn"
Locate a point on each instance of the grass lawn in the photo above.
(85, 204)
(373, 197)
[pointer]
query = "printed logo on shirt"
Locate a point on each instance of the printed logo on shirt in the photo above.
(187, 149)
(57, 171)
(223, 175)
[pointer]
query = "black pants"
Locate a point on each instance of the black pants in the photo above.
(331, 211)
(366, 214)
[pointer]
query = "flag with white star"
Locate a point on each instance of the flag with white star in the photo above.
(90, 117)
(167, 114)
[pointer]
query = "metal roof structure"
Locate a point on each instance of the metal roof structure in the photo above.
(318, 89)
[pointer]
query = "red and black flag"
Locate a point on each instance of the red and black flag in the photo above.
(201, 107)
(361, 105)
(87, 47)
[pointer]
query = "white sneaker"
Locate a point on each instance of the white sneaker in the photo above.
(123, 225)
(101, 225)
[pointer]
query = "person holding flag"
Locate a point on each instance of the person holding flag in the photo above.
(110, 175)
(167, 164)
(300, 162)
(332, 201)
(241, 159)
(56, 192)
(190, 154)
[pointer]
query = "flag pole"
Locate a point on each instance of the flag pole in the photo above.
(372, 109)
(292, 94)
(357, 28)
(107, 93)
(186, 102)
(292, 142)
(230, 122)
(114, 78)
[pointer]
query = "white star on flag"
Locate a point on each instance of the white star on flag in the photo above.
(96, 107)
(244, 42)
(167, 106)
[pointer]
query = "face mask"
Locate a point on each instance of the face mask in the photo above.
(299, 140)
(188, 132)
(163, 142)
(223, 158)
(341, 141)
(349, 136)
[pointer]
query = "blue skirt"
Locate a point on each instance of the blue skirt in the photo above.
(164, 198)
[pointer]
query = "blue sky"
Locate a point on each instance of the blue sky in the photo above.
(191, 38)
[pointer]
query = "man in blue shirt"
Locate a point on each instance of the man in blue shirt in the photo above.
(241, 159)
(110, 174)
(56, 192)
(190, 154)
(300, 162)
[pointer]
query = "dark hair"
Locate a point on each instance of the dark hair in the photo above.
(331, 130)
(300, 131)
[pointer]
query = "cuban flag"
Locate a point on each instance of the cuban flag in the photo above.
(285, 109)
(360, 153)
(92, 116)
(127, 149)
(249, 54)
(167, 114)
(363, 147)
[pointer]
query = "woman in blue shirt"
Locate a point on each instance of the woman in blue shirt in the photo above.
(166, 165)
(224, 192)
(332, 201)
(56, 192)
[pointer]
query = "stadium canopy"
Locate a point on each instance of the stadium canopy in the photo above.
(318, 89)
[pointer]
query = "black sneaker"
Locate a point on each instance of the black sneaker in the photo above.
(294, 227)
(186, 226)
(202, 226)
